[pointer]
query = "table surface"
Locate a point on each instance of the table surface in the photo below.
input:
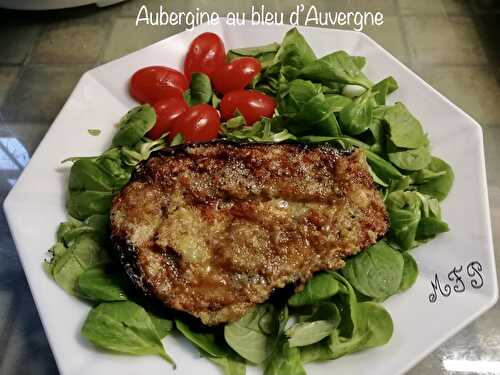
(452, 44)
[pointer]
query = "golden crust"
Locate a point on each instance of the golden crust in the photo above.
(212, 229)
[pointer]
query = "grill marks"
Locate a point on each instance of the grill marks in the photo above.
(212, 229)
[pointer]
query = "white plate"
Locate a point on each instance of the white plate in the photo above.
(35, 206)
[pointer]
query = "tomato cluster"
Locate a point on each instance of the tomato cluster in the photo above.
(163, 88)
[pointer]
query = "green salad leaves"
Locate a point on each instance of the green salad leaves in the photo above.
(319, 100)
(79, 247)
(376, 272)
(93, 181)
(123, 327)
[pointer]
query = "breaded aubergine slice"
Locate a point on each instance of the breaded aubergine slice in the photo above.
(212, 229)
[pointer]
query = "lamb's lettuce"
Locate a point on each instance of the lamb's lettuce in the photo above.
(200, 91)
(319, 288)
(435, 180)
(337, 67)
(123, 327)
(102, 284)
(93, 181)
(404, 129)
(285, 361)
(134, 125)
(293, 54)
(205, 341)
(383, 88)
(307, 333)
(376, 272)
(79, 247)
(357, 116)
(265, 54)
(410, 272)
(249, 337)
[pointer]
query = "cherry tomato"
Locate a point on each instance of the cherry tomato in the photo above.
(236, 75)
(206, 54)
(251, 104)
(200, 123)
(166, 111)
(153, 83)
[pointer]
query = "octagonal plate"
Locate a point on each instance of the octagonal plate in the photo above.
(35, 207)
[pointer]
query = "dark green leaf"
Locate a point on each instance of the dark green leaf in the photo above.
(375, 272)
(379, 324)
(246, 338)
(94, 132)
(316, 352)
(410, 272)
(265, 54)
(87, 174)
(340, 346)
(294, 95)
(384, 88)
(131, 156)
(231, 365)
(337, 103)
(293, 54)
(425, 175)
(383, 169)
(339, 67)
(66, 269)
(265, 130)
(404, 213)
(411, 160)
(215, 101)
(111, 162)
(357, 117)
(404, 129)
(320, 311)
(100, 226)
(252, 51)
(123, 327)
(89, 251)
(200, 90)
(321, 287)
(134, 125)
(178, 140)
(306, 333)
(307, 109)
(351, 333)
(204, 341)
(162, 325)
(70, 226)
(286, 361)
(363, 325)
(351, 323)
(235, 122)
(359, 61)
(402, 183)
(69, 261)
(101, 284)
(440, 186)
(315, 117)
(82, 204)
(376, 178)
(429, 227)
(96, 226)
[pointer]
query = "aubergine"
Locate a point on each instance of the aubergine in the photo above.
(213, 229)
